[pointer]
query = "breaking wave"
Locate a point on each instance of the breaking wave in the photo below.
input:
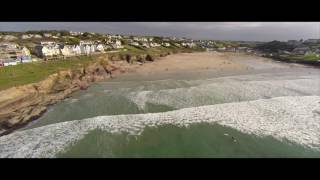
(293, 118)
(223, 90)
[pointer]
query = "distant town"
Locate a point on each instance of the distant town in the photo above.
(31, 46)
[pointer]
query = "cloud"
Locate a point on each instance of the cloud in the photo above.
(259, 31)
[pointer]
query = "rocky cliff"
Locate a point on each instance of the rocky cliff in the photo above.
(20, 105)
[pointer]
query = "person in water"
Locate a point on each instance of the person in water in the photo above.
(233, 139)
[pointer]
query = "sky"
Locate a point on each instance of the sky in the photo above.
(245, 31)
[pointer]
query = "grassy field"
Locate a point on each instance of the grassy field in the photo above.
(33, 72)
(152, 51)
(308, 57)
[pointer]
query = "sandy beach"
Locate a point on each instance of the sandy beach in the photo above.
(190, 61)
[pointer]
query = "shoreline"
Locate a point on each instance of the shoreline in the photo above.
(24, 104)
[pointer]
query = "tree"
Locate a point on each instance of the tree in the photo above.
(65, 33)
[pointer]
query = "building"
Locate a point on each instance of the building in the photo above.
(9, 62)
(11, 53)
(26, 59)
(76, 49)
(9, 37)
(75, 33)
(115, 37)
(87, 49)
(312, 41)
(134, 43)
(117, 44)
(37, 36)
(241, 49)
(142, 39)
(100, 48)
(154, 45)
(47, 49)
(221, 49)
(26, 36)
(300, 50)
(294, 42)
(188, 44)
(83, 43)
(145, 45)
(67, 50)
(47, 35)
(165, 44)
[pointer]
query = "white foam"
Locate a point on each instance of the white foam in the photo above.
(295, 118)
(225, 90)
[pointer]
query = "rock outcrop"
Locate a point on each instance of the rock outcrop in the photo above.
(20, 105)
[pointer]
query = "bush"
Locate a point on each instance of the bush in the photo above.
(128, 58)
(149, 58)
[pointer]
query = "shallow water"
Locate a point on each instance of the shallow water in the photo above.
(151, 93)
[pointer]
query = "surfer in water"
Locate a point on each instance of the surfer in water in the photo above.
(233, 139)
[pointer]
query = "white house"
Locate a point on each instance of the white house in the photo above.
(166, 44)
(26, 51)
(146, 45)
(67, 50)
(134, 44)
(37, 36)
(47, 50)
(75, 33)
(222, 49)
(50, 43)
(92, 48)
(26, 36)
(107, 47)
(76, 49)
(189, 45)
(10, 62)
(87, 49)
(9, 37)
(115, 37)
(117, 44)
(140, 39)
(47, 35)
(100, 48)
(85, 43)
(154, 45)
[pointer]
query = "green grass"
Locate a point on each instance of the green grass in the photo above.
(311, 57)
(308, 57)
(33, 72)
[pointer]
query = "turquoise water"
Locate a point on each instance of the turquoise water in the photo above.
(198, 140)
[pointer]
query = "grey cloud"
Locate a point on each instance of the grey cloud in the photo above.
(258, 31)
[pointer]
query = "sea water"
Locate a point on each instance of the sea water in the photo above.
(161, 93)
